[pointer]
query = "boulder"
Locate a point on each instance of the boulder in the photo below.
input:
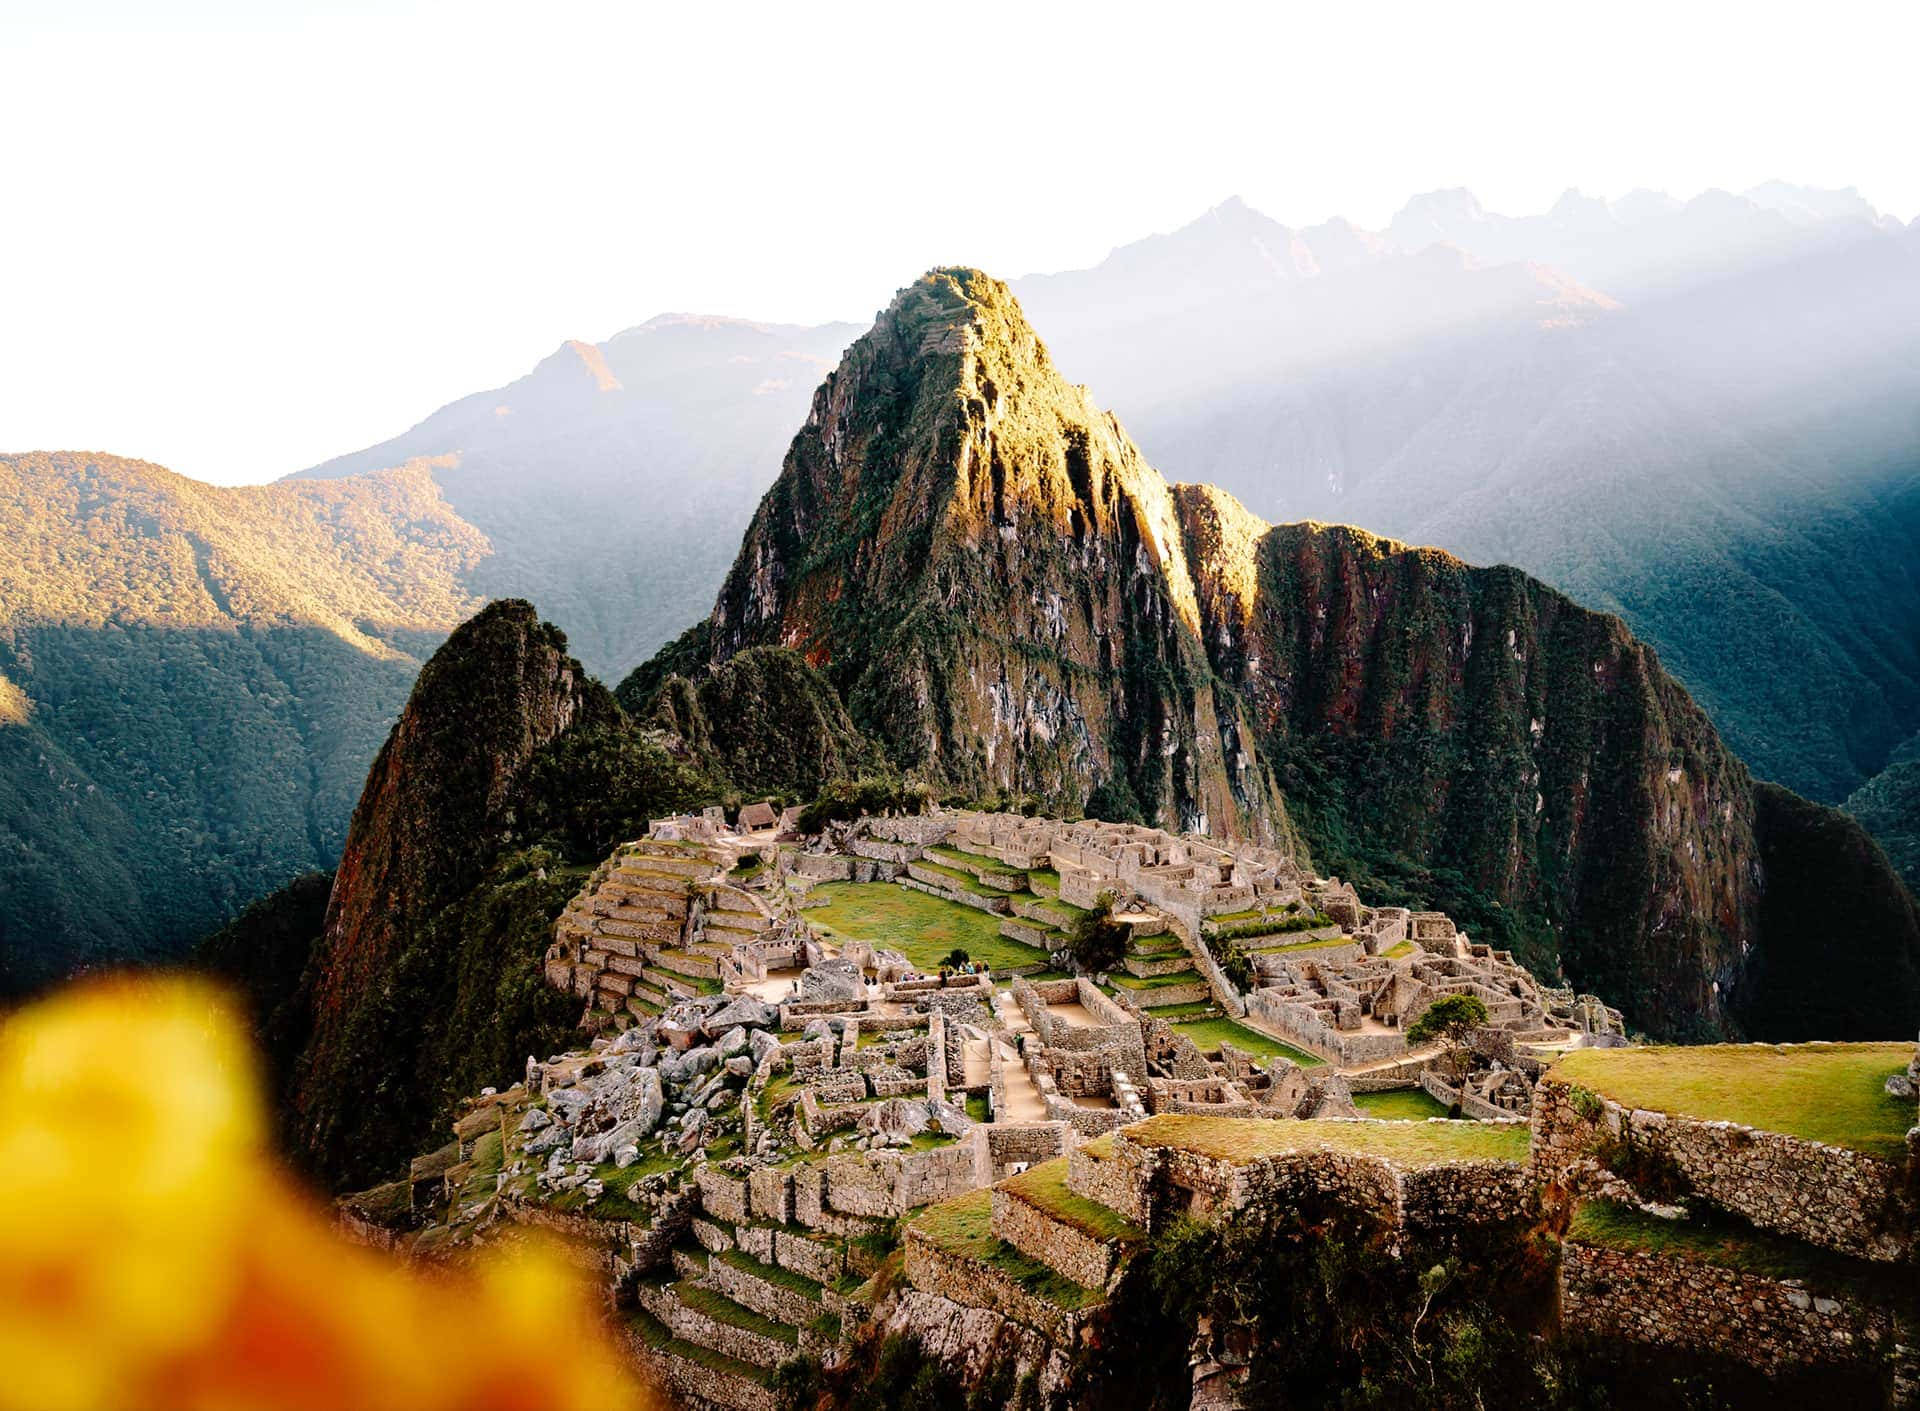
(760, 1043)
(645, 1100)
(740, 1065)
(535, 1120)
(832, 980)
(732, 1042)
(894, 1122)
(743, 1011)
(690, 1133)
(1902, 1086)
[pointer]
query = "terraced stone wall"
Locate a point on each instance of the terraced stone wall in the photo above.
(1688, 1306)
(1828, 1196)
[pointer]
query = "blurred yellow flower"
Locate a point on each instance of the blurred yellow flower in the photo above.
(152, 1254)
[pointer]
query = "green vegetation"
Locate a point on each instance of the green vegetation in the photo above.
(1449, 1021)
(1045, 1186)
(921, 927)
(1240, 1140)
(1096, 940)
(195, 681)
(722, 1309)
(964, 1226)
(1831, 1093)
(1209, 1034)
(1332, 1314)
(1400, 1105)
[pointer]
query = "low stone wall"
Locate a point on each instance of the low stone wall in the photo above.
(1031, 1144)
(723, 1195)
(1829, 1196)
(724, 1338)
(697, 1385)
(888, 1184)
(1299, 1025)
(1106, 1180)
(976, 1285)
(1471, 1105)
(824, 867)
(763, 1296)
(1087, 1260)
(1165, 996)
(923, 879)
(1155, 1184)
(1663, 1301)
(922, 830)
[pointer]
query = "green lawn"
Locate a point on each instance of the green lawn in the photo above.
(1209, 1034)
(1400, 1105)
(964, 1226)
(920, 927)
(1243, 1139)
(1831, 1093)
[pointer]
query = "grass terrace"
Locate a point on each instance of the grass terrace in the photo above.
(1155, 982)
(1238, 1140)
(960, 880)
(657, 1336)
(1400, 1105)
(920, 927)
(1045, 1186)
(1731, 1244)
(1832, 1093)
(964, 1226)
(959, 857)
(1208, 1034)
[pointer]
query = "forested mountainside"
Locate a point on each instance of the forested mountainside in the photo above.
(1716, 435)
(194, 680)
(1008, 598)
(613, 481)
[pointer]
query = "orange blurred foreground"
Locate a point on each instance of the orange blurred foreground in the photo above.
(152, 1256)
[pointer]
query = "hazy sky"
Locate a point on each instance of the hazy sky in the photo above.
(243, 237)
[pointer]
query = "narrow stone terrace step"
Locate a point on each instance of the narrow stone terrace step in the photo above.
(698, 1375)
(1079, 1239)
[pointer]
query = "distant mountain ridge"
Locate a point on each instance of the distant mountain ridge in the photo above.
(1724, 452)
(613, 479)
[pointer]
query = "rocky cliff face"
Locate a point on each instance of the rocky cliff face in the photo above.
(1009, 598)
(441, 809)
(1484, 725)
(983, 565)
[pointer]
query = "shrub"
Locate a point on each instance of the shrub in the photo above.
(1097, 941)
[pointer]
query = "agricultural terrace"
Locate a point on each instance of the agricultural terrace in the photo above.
(1832, 1093)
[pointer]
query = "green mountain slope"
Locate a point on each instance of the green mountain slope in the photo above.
(196, 678)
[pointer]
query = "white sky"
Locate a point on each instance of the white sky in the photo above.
(244, 237)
